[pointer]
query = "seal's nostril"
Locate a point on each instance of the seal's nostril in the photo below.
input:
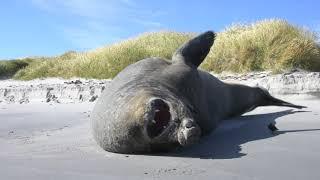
(189, 124)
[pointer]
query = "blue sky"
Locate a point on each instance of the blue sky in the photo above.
(51, 27)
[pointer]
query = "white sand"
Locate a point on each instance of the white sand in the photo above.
(45, 134)
(77, 90)
(43, 141)
(53, 90)
(299, 82)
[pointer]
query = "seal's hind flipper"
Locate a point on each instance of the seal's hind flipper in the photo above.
(269, 100)
(278, 102)
(195, 51)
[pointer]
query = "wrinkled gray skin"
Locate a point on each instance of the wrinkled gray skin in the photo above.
(158, 105)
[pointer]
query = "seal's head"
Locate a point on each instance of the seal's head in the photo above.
(145, 122)
(151, 106)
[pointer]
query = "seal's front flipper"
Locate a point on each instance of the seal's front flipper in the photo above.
(195, 51)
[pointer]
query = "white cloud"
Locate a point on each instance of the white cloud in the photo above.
(94, 20)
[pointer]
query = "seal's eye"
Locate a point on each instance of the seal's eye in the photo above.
(161, 118)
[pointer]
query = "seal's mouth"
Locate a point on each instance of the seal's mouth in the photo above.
(161, 118)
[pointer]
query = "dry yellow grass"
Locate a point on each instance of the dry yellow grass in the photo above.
(272, 45)
(106, 62)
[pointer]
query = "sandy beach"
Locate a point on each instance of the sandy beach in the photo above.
(43, 139)
(83, 82)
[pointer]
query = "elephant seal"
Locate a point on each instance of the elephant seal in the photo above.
(157, 105)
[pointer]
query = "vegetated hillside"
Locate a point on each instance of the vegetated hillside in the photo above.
(106, 62)
(265, 45)
(9, 68)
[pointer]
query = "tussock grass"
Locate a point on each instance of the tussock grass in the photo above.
(106, 62)
(272, 45)
(8, 68)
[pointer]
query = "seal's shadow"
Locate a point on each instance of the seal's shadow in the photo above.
(226, 141)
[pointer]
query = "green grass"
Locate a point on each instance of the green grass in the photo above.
(272, 45)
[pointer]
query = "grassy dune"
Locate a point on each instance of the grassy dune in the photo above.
(106, 62)
(265, 45)
(9, 68)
